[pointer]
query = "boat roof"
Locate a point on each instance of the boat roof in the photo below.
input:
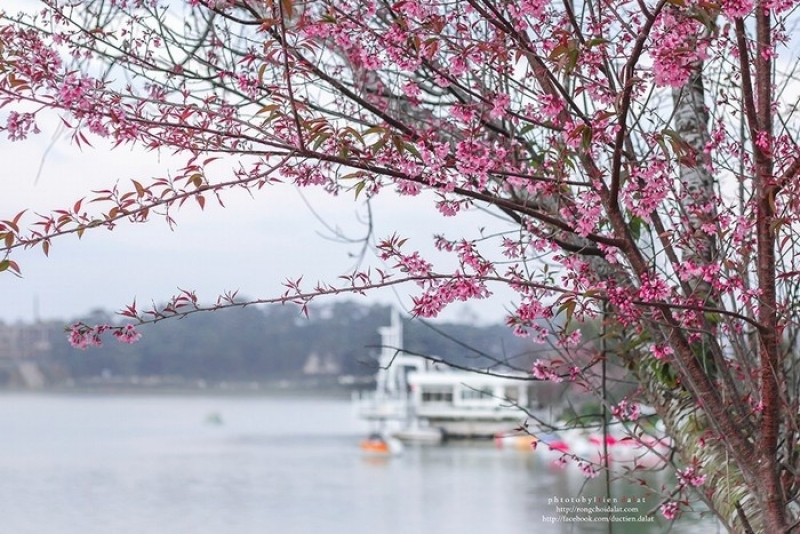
(472, 379)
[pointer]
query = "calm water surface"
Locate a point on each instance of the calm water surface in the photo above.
(72, 464)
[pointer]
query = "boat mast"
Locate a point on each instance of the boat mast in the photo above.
(391, 349)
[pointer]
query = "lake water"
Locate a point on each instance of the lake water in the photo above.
(114, 464)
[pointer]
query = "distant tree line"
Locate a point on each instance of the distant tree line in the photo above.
(274, 343)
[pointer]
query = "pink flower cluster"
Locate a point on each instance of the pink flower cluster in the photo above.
(734, 9)
(621, 298)
(511, 248)
(543, 371)
(499, 105)
(587, 470)
(306, 175)
(427, 305)
(448, 208)
(414, 265)
(669, 510)
(648, 188)
(470, 257)
(689, 477)
(82, 336)
(591, 213)
(551, 106)
(438, 297)
(75, 92)
(127, 334)
(19, 125)
(678, 50)
(661, 352)
(625, 411)
(653, 288)
(473, 159)
(36, 63)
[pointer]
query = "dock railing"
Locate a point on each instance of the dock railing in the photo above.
(375, 405)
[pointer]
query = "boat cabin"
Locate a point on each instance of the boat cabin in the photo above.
(418, 392)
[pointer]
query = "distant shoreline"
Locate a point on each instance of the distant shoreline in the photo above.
(224, 389)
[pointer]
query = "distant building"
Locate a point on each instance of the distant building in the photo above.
(321, 365)
(20, 347)
(23, 341)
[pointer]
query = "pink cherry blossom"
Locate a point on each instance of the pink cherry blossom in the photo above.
(636, 163)
(661, 352)
(669, 510)
(734, 9)
(127, 334)
(542, 371)
(587, 469)
(689, 477)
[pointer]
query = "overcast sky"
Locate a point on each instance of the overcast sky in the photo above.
(253, 244)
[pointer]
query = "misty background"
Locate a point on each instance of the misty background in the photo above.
(270, 347)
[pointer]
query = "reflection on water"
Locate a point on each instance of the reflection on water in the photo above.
(158, 464)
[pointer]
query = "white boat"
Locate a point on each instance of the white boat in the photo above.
(427, 401)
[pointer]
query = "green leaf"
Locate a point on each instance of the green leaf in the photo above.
(319, 139)
(586, 137)
(569, 307)
(596, 41)
(574, 54)
(398, 144)
(375, 130)
(360, 187)
(665, 374)
(411, 148)
(375, 148)
(636, 227)
(354, 133)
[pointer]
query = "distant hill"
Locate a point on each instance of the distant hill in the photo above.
(273, 343)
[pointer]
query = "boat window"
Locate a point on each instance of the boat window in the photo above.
(437, 395)
(472, 393)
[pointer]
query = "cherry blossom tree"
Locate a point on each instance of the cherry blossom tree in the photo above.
(644, 154)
